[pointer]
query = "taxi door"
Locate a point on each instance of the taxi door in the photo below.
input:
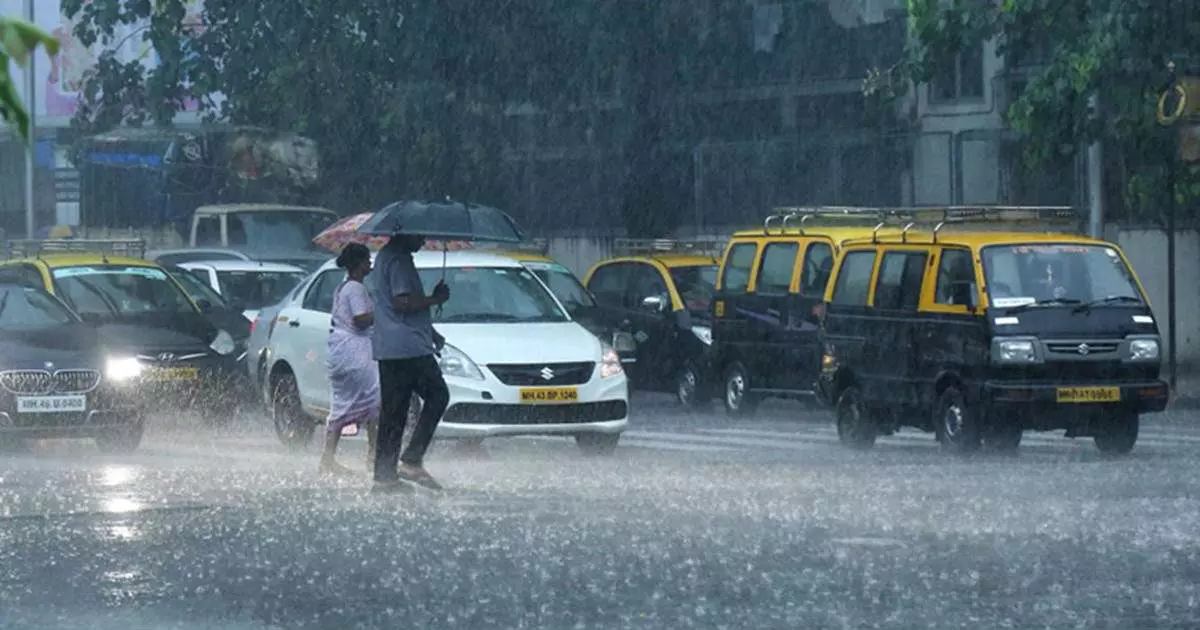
(768, 311)
(800, 336)
(652, 316)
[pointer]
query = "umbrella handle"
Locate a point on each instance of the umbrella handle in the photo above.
(444, 246)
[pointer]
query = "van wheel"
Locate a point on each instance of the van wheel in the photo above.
(738, 399)
(855, 428)
(956, 422)
(293, 427)
(1004, 437)
(122, 440)
(689, 391)
(1118, 434)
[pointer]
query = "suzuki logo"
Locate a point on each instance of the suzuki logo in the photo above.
(1083, 349)
(166, 357)
(547, 374)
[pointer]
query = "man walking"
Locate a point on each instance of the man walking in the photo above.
(403, 343)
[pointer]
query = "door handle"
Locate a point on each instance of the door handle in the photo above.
(294, 324)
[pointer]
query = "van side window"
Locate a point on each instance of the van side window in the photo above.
(775, 270)
(208, 231)
(956, 278)
(854, 279)
(899, 284)
(609, 283)
(736, 274)
(818, 264)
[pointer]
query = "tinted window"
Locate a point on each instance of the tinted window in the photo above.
(956, 278)
(696, 285)
(899, 284)
(208, 232)
(608, 284)
(26, 309)
(737, 267)
(256, 289)
(647, 282)
(775, 271)
(854, 279)
(25, 275)
(493, 294)
(818, 265)
(320, 294)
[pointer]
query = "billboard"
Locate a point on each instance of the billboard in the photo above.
(59, 81)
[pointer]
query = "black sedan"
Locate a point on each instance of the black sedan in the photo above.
(58, 378)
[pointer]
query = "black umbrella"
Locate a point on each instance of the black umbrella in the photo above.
(445, 221)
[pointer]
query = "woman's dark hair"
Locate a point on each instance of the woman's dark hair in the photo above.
(353, 255)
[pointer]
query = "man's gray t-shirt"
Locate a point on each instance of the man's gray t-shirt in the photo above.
(398, 335)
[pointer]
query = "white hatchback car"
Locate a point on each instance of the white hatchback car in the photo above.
(253, 285)
(515, 363)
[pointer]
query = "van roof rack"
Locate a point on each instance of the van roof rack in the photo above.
(910, 217)
(712, 246)
(36, 248)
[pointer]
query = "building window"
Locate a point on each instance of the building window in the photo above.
(961, 80)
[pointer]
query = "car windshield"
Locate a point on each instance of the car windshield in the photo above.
(119, 290)
(1020, 275)
(563, 284)
(25, 309)
(275, 230)
(196, 288)
(256, 289)
(493, 294)
(696, 285)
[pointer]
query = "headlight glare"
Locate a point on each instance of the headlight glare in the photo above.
(1143, 350)
(122, 369)
(223, 344)
(1015, 351)
(610, 363)
(455, 362)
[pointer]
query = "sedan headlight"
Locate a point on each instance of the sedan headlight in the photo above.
(1015, 351)
(610, 363)
(122, 369)
(455, 362)
(703, 333)
(1143, 350)
(223, 344)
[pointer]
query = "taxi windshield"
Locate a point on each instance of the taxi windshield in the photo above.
(563, 284)
(493, 295)
(24, 309)
(1056, 273)
(696, 285)
(113, 291)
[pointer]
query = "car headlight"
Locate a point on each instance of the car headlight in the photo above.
(703, 333)
(223, 344)
(1143, 350)
(455, 362)
(1015, 351)
(122, 369)
(610, 363)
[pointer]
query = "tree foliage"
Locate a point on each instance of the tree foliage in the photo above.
(1116, 49)
(18, 41)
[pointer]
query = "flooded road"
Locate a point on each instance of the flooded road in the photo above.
(696, 522)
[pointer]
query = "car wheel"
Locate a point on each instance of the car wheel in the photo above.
(122, 440)
(689, 391)
(597, 443)
(738, 400)
(1004, 437)
(293, 427)
(855, 428)
(956, 422)
(1118, 434)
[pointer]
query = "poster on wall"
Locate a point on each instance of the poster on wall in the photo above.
(59, 81)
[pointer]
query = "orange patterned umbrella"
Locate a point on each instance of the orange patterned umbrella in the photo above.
(338, 235)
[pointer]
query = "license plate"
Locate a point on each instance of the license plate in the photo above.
(1089, 394)
(173, 374)
(51, 404)
(544, 395)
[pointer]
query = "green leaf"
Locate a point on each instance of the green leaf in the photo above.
(19, 39)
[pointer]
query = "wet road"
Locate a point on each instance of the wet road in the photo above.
(696, 522)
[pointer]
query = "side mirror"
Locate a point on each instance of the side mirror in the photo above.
(654, 303)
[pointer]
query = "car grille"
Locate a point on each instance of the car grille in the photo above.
(42, 382)
(534, 374)
(477, 413)
(1090, 348)
(1077, 372)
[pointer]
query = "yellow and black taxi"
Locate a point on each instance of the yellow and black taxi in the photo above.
(978, 335)
(660, 291)
(189, 360)
(769, 294)
(59, 380)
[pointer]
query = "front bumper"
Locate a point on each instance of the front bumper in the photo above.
(77, 424)
(1146, 396)
(187, 383)
(489, 408)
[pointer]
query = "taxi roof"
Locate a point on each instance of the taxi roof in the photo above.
(980, 238)
(81, 259)
(669, 259)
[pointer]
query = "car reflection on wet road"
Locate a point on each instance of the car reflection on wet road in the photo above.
(694, 523)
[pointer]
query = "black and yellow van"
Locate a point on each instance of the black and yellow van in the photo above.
(769, 293)
(978, 335)
(660, 291)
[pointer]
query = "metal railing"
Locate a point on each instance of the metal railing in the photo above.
(657, 246)
(35, 248)
(910, 217)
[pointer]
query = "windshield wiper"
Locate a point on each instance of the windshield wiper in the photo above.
(1050, 302)
(1112, 299)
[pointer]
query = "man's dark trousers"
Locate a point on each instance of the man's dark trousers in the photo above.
(399, 379)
